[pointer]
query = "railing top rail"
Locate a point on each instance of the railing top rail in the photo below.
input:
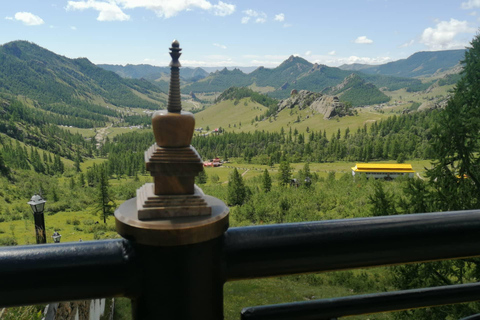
(262, 251)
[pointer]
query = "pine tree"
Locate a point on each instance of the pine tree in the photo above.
(236, 189)
(202, 177)
(266, 181)
(382, 201)
(81, 180)
(285, 173)
(78, 160)
(454, 184)
(105, 203)
(4, 170)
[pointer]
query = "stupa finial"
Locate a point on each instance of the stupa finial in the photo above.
(174, 100)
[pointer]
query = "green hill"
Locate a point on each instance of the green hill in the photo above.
(358, 92)
(229, 114)
(72, 88)
(219, 81)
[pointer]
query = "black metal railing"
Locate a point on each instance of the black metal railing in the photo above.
(154, 277)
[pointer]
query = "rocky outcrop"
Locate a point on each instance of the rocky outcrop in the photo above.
(434, 104)
(320, 103)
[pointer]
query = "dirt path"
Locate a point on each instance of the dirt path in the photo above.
(225, 182)
(420, 177)
(101, 135)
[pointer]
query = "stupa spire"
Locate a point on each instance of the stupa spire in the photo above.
(174, 99)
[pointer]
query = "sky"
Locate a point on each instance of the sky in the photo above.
(241, 32)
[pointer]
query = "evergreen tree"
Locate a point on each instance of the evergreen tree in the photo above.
(105, 204)
(78, 160)
(202, 177)
(266, 181)
(455, 185)
(4, 170)
(382, 201)
(285, 173)
(306, 176)
(236, 189)
(81, 180)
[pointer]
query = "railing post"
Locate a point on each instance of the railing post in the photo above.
(177, 231)
(180, 282)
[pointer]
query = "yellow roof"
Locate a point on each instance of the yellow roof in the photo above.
(383, 167)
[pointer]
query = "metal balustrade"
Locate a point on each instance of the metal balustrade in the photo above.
(186, 282)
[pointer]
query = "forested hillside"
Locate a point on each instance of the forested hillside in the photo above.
(73, 90)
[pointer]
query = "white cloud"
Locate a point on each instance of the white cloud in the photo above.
(279, 17)
(308, 53)
(251, 13)
(407, 44)
(364, 60)
(443, 35)
(473, 13)
(332, 60)
(8, 18)
(261, 17)
(112, 10)
(28, 19)
(73, 28)
(220, 45)
(287, 25)
(212, 61)
(363, 40)
(470, 4)
(108, 11)
(223, 9)
(332, 53)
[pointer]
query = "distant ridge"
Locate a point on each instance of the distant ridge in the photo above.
(299, 74)
(424, 63)
(153, 72)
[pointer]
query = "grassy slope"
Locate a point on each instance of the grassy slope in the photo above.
(225, 114)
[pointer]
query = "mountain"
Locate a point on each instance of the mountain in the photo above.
(219, 81)
(357, 91)
(354, 66)
(70, 89)
(288, 71)
(152, 72)
(425, 63)
(295, 73)
(243, 69)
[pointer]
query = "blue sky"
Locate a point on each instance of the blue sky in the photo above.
(241, 33)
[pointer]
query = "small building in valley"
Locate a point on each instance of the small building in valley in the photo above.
(385, 171)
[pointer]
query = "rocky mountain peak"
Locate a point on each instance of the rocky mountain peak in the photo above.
(320, 103)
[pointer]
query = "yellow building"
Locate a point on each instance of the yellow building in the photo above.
(383, 170)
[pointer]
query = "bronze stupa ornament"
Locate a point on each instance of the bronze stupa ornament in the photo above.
(173, 200)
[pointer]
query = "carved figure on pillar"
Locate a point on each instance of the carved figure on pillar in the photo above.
(172, 211)
(172, 161)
